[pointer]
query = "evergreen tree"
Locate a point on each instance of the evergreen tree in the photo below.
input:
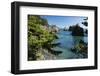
(38, 35)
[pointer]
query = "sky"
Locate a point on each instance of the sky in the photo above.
(64, 21)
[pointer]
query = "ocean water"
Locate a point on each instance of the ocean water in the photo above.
(67, 41)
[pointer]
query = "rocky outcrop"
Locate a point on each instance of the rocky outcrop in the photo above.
(76, 30)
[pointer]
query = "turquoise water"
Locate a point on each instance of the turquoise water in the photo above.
(67, 41)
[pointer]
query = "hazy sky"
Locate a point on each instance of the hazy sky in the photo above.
(65, 21)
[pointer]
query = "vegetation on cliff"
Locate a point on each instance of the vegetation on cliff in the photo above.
(39, 36)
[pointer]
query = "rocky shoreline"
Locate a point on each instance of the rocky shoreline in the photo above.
(45, 55)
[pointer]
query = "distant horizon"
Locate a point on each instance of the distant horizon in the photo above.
(65, 21)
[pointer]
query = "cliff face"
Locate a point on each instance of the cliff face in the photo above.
(53, 28)
(76, 30)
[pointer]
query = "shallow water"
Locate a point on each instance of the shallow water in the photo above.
(67, 41)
